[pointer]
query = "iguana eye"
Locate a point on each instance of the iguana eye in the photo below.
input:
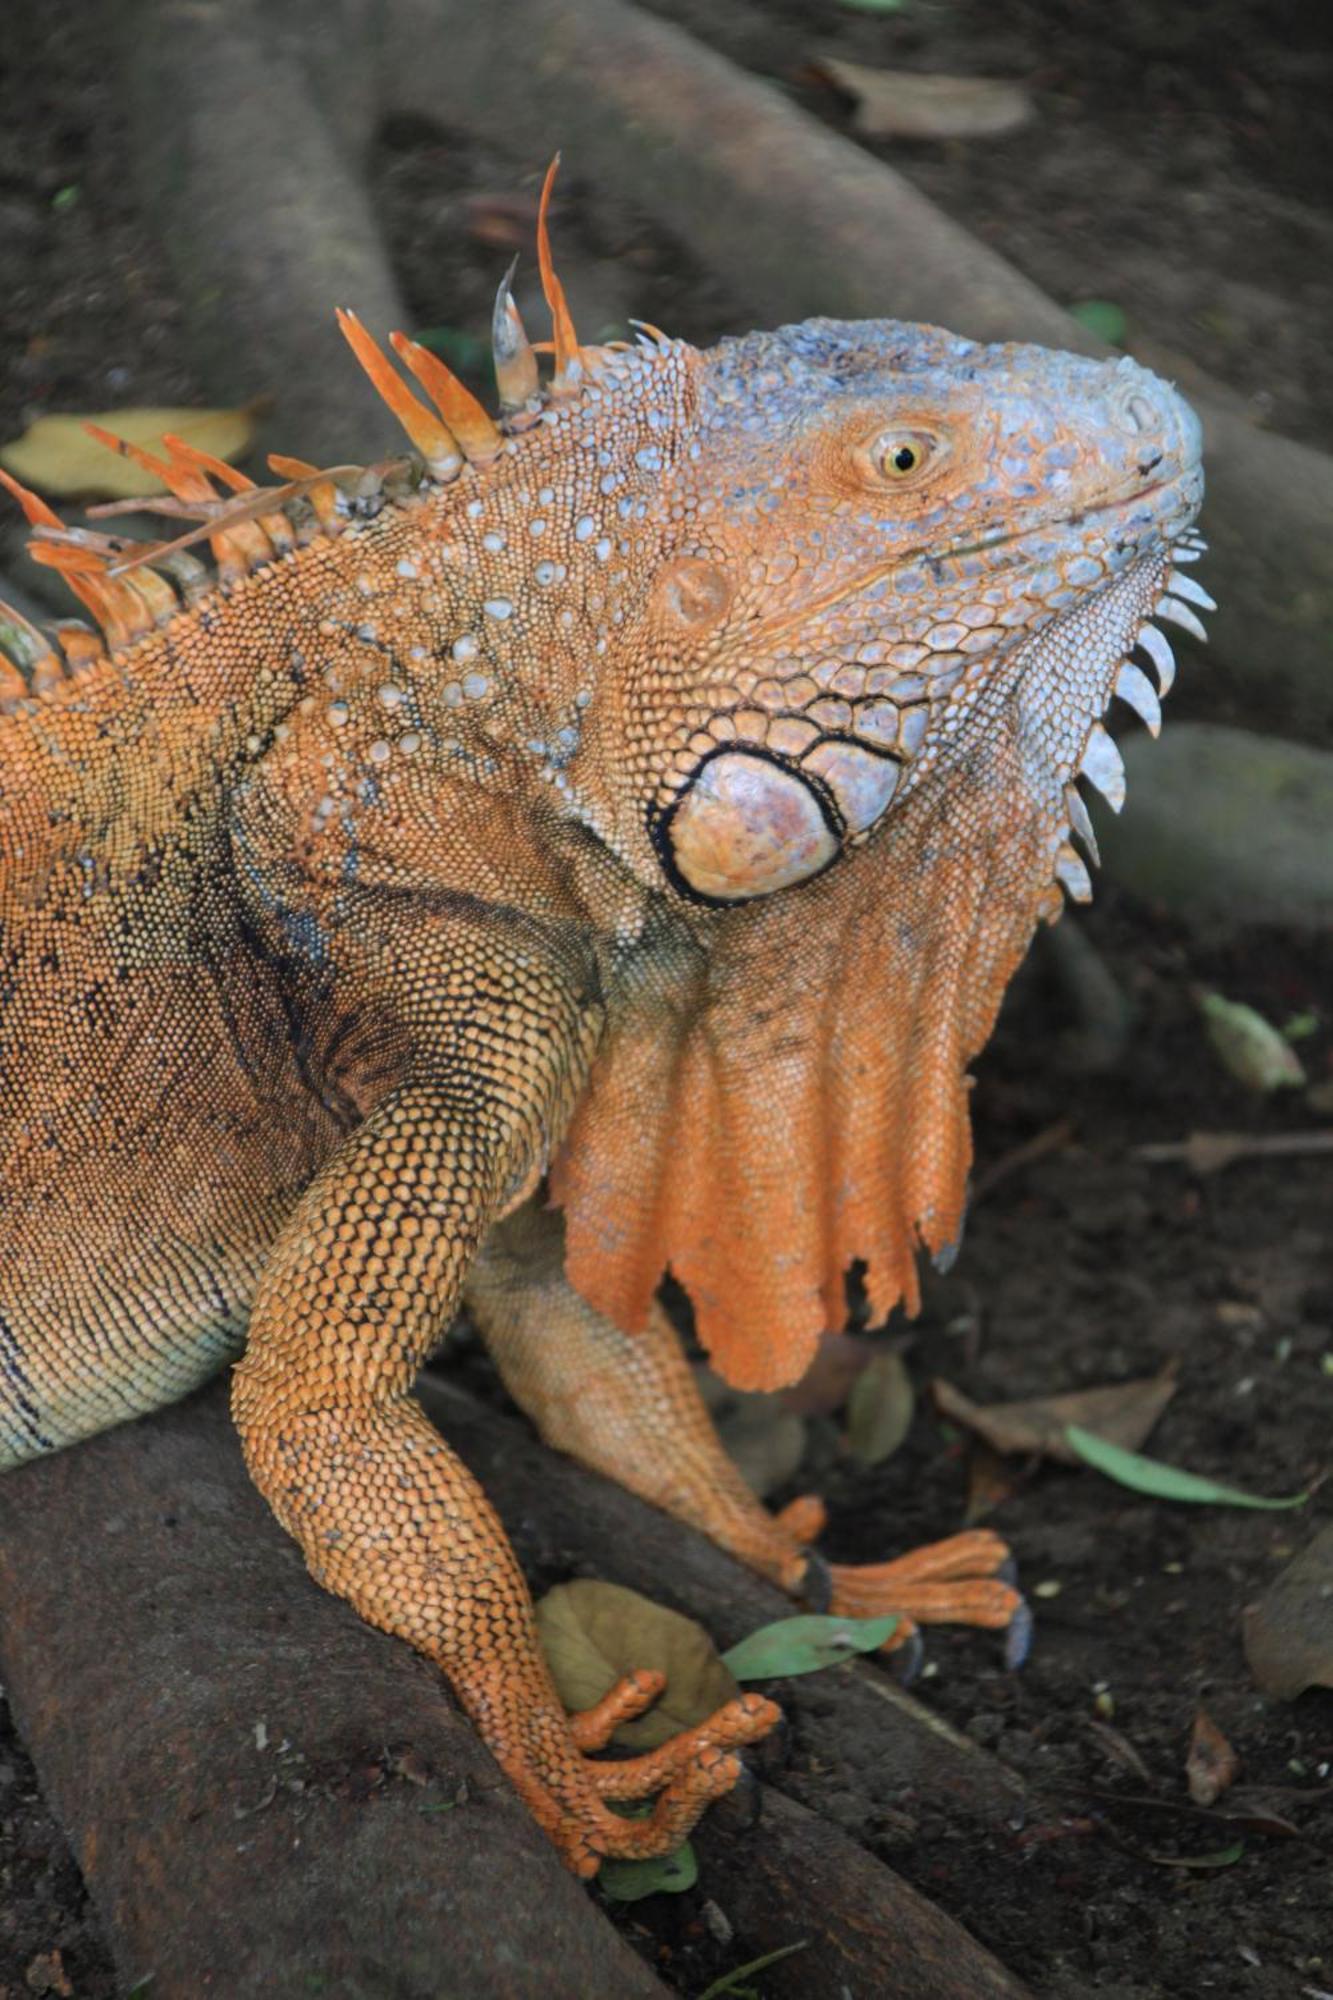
(900, 455)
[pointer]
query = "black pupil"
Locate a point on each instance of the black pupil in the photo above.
(904, 458)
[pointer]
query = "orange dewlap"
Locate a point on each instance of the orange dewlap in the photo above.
(807, 1113)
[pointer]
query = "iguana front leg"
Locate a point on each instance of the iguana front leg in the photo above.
(360, 1284)
(627, 1405)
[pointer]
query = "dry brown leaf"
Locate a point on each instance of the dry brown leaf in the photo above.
(764, 1440)
(1124, 1413)
(905, 104)
(991, 1480)
(594, 1633)
(1288, 1634)
(828, 1381)
(57, 456)
(879, 1411)
(1211, 1764)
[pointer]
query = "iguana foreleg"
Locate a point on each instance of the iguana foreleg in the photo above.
(359, 1285)
(627, 1405)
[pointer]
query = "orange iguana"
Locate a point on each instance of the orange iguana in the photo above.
(634, 808)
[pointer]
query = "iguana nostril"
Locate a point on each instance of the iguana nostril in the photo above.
(747, 827)
(1140, 414)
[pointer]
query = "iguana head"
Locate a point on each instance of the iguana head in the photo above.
(865, 529)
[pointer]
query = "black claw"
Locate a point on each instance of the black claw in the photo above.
(908, 1659)
(739, 1809)
(1018, 1638)
(817, 1583)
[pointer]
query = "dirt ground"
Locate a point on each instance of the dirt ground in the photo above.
(1177, 171)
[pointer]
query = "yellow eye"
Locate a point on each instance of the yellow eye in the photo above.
(898, 455)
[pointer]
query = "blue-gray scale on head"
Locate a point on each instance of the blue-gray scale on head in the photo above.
(887, 529)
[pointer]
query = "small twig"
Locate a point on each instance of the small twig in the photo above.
(1209, 1152)
(1051, 1139)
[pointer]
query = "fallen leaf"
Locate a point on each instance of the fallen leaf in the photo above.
(46, 1974)
(765, 1441)
(504, 221)
(1211, 1764)
(1165, 1482)
(57, 456)
(594, 1633)
(665, 1875)
(991, 1479)
(804, 1644)
(733, 1982)
(1124, 1412)
(466, 353)
(1248, 1047)
(1099, 316)
(906, 104)
(879, 1410)
(1256, 1808)
(831, 1376)
(1288, 1634)
(1222, 1857)
(1119, 1746)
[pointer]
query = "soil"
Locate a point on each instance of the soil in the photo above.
(1176, 170)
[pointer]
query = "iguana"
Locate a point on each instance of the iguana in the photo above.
(592, 846)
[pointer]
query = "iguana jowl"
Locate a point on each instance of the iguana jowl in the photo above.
(646, 796)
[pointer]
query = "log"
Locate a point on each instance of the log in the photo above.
(882, 1943)
(264, 219)
(260, 1789)
(1225, 828)
(268, 226)
(802, 221)
(266, 1797)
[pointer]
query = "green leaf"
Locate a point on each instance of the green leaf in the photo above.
(1221, 1857)
(728, 1983)
(1249, 1047)
(804, 1645)
(1162, 1482)
(879, 1409)
(467, 353)
(1099, 316)
(664, 1875)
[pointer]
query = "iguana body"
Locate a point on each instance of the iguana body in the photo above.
(660, 790)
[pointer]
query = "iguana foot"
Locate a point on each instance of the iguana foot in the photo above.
(966, 1580)
(543, 1753)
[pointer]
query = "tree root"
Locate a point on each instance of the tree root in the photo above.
(263, 1792)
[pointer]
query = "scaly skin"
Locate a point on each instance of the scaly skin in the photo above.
(661, 797)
